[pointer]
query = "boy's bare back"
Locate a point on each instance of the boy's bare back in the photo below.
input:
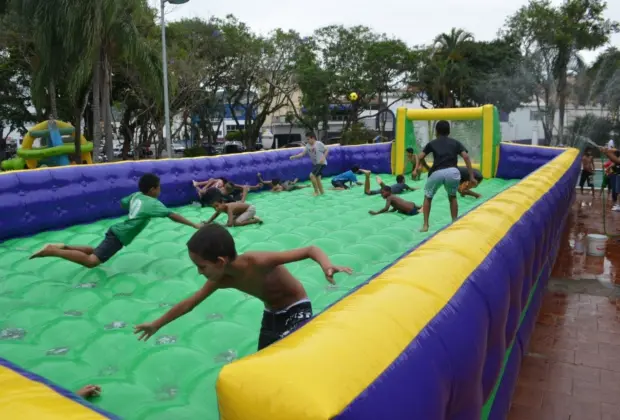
(237, 208)
(400, 205)
(276, 287)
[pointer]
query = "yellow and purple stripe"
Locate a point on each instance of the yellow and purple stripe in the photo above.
(429, 335)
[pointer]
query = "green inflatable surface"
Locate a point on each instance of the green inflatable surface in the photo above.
(75, 326)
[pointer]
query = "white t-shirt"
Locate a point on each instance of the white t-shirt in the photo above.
(610, 144)
(316, 152)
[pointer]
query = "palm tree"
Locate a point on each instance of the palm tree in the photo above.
(449, 44)
(46, 20)
(109, 33)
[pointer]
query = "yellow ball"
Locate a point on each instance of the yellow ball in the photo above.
(353, 96)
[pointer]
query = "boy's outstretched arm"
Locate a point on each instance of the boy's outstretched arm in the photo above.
(388, 203)
(269, 260)
(213, 217)
(182, 220)
(146, 330)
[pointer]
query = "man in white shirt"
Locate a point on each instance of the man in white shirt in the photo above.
(318, 155)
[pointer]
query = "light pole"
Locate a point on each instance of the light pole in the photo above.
(164, 56)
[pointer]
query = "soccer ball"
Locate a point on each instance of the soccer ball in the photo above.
(353, 96)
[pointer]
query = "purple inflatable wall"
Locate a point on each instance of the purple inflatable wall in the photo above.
(464, 364)
(33, 201)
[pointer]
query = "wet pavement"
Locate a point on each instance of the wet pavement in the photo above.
(571, 370)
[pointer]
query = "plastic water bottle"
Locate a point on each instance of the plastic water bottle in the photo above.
(579, 245)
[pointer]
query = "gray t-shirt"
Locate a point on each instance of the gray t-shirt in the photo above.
(316, 152)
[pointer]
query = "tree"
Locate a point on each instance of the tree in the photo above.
(592, 127)
(573, 26)
(604, 80)
(262, 80)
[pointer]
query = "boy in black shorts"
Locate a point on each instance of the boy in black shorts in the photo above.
(259, 274)
(465, 187)
(278, 186)
(587, 171)
(397, 188)
(318, 155)
(142, 207)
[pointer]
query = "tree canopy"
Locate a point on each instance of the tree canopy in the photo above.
(98, 64)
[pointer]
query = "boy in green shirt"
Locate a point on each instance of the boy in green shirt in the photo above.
(142, 206)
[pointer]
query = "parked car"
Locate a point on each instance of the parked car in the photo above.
(233, 146)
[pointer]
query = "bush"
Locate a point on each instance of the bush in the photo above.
(358, 134)
(195, 151)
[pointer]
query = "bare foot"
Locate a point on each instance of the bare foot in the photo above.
(89, 391)
(379, 180)
(194, 183)
(295, 181)
(424, 228)
(315, 193)
(365, 171)
(44, 252)
(259, 220)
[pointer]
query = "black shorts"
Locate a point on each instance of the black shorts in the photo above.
(232, 197)
(586, 176)
(277, 325)
(108, 247)
(339, 184)
(317, 170)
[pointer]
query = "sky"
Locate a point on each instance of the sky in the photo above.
(415, 22)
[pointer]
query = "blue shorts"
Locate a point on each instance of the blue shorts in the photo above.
(449, 178)
(415, 211)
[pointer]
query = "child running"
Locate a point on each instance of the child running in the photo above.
(398, 204)
(142, 206)
(318, 155)
(397, 188)
(259, 274)
(339, 182)
(239, 213)
(278, 186)
(466, 187)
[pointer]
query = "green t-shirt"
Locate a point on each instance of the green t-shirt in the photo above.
(141, 209)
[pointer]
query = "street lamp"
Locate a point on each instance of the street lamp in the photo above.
(164, 55)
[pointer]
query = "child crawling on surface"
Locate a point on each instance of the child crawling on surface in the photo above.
(142, 206)
(339, 182)
(259, 274)
(398, 204)
(466, 186)
(230, 191)
(278, 186)
(398, 188)
(239, 213)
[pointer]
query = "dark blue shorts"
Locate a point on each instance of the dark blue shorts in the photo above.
(339, 184)
(108, 247)
(317, 170)
(415, 211)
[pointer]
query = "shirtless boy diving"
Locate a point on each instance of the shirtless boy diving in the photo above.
(259, 274)
(397, 204)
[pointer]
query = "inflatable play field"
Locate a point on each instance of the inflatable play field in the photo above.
(429, 326)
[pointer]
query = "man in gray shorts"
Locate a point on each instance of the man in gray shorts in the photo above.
(445, 172)
(318, 155)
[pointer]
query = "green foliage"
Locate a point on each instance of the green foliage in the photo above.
(357, 134)
(238, 135)
(194, 151)
(598, 129)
